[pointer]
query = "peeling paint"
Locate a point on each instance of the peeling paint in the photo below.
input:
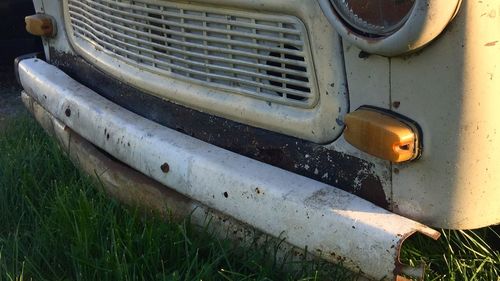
(491, 44)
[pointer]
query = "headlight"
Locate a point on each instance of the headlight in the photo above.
(389, 27)
(374, 17)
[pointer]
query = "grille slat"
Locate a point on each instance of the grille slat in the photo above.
(265, 57)
(91, 8)
(200, 18)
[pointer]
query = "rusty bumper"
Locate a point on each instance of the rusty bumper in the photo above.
(328, 221)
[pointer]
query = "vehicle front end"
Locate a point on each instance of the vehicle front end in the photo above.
(309, 120)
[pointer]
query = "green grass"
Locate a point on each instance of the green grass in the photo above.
(458, 255)
(56, 226)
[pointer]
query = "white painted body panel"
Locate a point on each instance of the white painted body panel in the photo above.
(453, 92)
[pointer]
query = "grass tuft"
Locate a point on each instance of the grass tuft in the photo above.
(457, 255)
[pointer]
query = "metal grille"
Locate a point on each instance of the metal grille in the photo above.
(258, 55)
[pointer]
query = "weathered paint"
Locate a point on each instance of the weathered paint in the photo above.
(305, 212)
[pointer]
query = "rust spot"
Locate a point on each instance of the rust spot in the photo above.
(165, 168)
(490, 44)
(257, 190)
(396, 104)
(363, 55)
(67, 112)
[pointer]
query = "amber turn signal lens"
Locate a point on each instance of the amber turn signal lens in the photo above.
(40, 25)
(382, 134)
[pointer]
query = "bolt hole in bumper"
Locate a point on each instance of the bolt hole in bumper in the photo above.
(307, 213)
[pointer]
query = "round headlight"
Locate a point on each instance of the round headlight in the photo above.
(389, 27)
(374, 17)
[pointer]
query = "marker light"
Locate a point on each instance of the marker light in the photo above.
(382, 135)
(40, 25)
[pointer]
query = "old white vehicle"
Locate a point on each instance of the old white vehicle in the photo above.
(343, 126)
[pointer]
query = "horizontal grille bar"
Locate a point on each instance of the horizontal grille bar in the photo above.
(84, 21)
(169, 40)
(265, 57)
(146, 58)
(213, 20)
(89, 7)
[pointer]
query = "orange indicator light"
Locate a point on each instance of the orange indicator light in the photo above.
(40, 25)
(382, 134)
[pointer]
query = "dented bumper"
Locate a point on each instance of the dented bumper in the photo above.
(323, 218)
